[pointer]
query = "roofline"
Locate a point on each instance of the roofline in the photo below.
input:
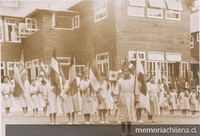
(52, 10)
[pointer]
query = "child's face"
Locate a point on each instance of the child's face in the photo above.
(5, 80)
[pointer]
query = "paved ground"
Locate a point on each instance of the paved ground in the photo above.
(17, 118)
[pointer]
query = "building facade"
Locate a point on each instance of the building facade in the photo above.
(158, 29)
(194, 30)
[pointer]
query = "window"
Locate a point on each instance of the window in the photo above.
(136, 8)
(155, 8)
(79, 69)
(132, 55)
(173, 15)
(152, 66)
(100, 10)
(3, 68)
(32, 68)
(197, 37)
(31, 24)
(10, 66)
(11, 30)
(173, 10)
(23, 32)
(102, 61)
(65, 22)
(1, 30)
(76, 22)
(184, 68)
(192, 41)
(10, 3)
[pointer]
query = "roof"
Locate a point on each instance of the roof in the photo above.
(63, 5)
(194, 22)
(68, 12)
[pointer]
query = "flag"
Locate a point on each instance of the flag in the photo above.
(55, 80)
(33, 72)
(43, 70)
(19, 89)
(186, 78)
(94, 77)
(141, 84)
(72, 77)
(63, 80)
(158, 75)
(22, 69)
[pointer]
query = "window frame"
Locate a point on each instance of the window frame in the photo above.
(72, 20)
(101, 63)
(3, 68)
(27, 24)
(192, 41)
(1, 30)
(5, 5)
(14, 26)
(197, 37)
(79, 67)
(101, 10)
(132, 55)
(155, 9)
(173, 11)
(10, 68)
(183, 68)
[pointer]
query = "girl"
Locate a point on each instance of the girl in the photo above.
(125, 91)
(25, 97)
(34, 97)
(172, 100)
(193, 102)
(102, 96)
(87, 105)
(153, 90)
(6, 91)
(182, 102)
(71, 103)
(42, 93)
(52, 100)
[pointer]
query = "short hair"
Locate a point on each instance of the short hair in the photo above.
(125, 67)
(102, 74)
(43, 81)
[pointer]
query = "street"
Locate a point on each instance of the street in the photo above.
(17, 118)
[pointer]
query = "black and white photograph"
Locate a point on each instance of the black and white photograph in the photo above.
(100, 67)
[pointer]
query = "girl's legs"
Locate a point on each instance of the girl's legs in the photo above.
(7, 112)
(45, 110)
(161, 111)
(54, 118)
(129, 127)
(100, 116)
(85, 117)
(69, 118)
(104, 116)
(24, 111)
(123, 127)
(51, 118)
(34, 112)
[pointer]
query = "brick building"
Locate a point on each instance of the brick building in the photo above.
(158, 29)
(194, 30)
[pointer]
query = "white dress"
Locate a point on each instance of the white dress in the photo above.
(7, 97)
(25, 97)
(87, 105)
(194, 106)
(34, 97)
(104, 100)
(71, 102)
(153, 90)
(41, 95)
(172, 99)
(125, 89)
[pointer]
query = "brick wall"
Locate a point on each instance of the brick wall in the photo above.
(148, 34)
(195, 50)
(101, 35)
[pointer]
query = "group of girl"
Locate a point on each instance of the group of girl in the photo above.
(71, 101)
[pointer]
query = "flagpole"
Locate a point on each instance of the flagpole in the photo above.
(135, 76)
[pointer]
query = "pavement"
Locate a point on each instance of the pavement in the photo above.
(18, 118)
